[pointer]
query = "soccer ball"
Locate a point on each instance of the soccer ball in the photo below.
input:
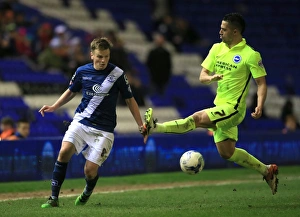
(191, 162)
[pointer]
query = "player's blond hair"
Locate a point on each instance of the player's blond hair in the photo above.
(101, 43)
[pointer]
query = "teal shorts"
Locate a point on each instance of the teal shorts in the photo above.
(226, 118)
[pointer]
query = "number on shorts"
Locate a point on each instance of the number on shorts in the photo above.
(104, 152)
(220, 113)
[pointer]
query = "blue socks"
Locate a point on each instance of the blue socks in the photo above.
(90, 185)
(58, 177)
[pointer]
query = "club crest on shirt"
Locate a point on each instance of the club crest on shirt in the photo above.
(237, 59)
(111, 78)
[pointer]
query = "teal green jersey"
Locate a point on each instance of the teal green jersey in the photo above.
(237, 65)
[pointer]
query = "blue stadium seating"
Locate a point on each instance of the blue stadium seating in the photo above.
(271, 30)
(20, 72)
(50, 125)
(138, 11)
(14, 107)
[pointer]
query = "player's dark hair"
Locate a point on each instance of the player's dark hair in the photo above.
(102, 43)
(236, 20)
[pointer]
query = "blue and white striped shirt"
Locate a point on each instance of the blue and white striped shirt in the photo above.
(100, 91)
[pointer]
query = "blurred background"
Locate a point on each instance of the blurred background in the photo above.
(43, 42)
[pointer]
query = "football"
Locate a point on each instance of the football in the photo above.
(191, 162)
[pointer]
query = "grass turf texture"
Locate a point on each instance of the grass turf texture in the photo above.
(226, 192)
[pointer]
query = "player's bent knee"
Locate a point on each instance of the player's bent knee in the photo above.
(202, 120)
(226, 148)
(66, 152)
(91, 170)
(64, 156)
(90, 173)
(225, 155)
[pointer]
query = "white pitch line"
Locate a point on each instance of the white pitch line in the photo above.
(220, 183)
(200, 183)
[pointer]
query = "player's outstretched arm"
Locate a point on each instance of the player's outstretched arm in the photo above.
(46, 108)
(134, 109)
(206, 78)
(63, 99)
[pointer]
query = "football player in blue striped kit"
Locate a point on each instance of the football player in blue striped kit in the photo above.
(94, 121)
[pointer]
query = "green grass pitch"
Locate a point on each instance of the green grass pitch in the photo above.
(232, 192)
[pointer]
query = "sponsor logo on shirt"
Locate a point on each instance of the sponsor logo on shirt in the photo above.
(97, 91)
(96, 94)
(97, 88)
(225, 65)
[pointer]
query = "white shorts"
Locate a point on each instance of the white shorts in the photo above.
(98, 143)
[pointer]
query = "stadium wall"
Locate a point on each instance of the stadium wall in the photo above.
(34, 159)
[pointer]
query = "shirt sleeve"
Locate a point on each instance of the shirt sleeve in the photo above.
(75, 84)
(124, 87)
(256, 66)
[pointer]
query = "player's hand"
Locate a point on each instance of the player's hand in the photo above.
(46, 108)
(257, 113)
(216, 77)
(143, 130)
